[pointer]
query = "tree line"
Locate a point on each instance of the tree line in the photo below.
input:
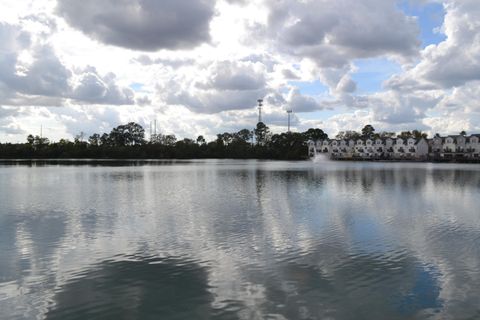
(368, 132)
(128, 141)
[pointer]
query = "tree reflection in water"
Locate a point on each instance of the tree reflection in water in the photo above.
(136, 289)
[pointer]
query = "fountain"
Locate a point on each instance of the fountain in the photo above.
(318, 156)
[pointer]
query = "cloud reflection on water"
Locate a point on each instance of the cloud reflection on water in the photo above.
(255, 239)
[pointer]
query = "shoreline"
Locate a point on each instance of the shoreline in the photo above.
(189, 160)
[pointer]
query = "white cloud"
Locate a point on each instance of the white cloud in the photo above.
(332, 33)
(205, 71)
(224, 85)
(453, 62)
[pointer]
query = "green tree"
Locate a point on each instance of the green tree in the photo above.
(315, 134)
(94, 139)
(127, 135)
(417, 134)
(347, 135)
(368, 131)
(226, 137)
(30, 139)
(261, 133)
(244, 135)
(169, 140)
(289, 145)
(405, 135)
(64, 142)
(79, 138)
(105, 139)
(41, 141)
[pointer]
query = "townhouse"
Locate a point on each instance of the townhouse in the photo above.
(373, 149)
(455, 147)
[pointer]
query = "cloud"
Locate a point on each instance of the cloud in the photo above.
(46, 76)
(301, 103)
(276, 49)
(332, 33)
(229, 75)
(346, 85)
(8, 112)
(90, 120)
(11, 129)
(226, 85)
(46, 80)
(464, 98)
(93, 88)
(175, 63)
(454, 61)
(146, 25)
(289, 74)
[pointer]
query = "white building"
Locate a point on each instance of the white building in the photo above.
(455, 147)
(379, 149)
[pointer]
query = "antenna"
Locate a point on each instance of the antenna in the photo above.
(289, 112)
(41, 131)
(151, 138)
(260, 106)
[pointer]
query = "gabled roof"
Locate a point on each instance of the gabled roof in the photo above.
(473, 136)
(419, 140)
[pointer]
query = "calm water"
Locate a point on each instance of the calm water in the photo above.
(240, 240)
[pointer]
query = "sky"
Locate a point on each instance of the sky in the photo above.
(197, 67)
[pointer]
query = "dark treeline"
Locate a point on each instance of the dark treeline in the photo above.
(368, 132)
(128, 142)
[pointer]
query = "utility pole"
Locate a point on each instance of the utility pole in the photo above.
(289, 112)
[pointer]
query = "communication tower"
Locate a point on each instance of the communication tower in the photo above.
(260, 106)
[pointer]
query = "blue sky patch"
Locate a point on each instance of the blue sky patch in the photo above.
(136, 86)
(373, 72)
(430, 18)
(313, 88)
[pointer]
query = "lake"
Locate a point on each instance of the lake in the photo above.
(224, 239)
